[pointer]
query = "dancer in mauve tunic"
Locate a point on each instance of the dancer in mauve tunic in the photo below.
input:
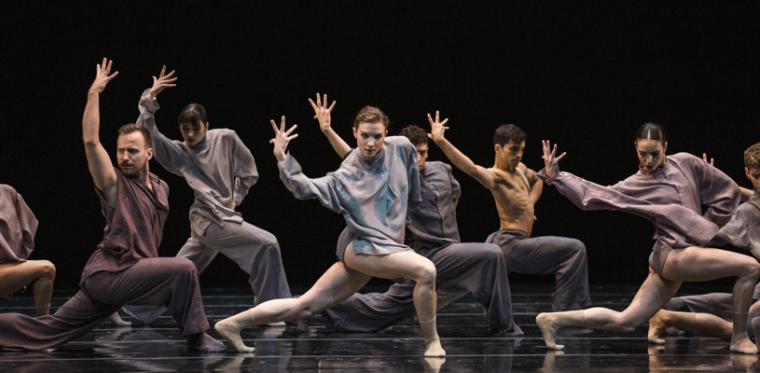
(710, 314)
(372, 190)
(688, 201)
(125, 267)
(18, 227)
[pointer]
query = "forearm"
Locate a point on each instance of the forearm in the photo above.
(339, 146)
(91, 120)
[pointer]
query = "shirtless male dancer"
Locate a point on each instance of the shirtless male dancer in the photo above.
(18, 226)
(463, 268)
(125, 267)
(515, 190)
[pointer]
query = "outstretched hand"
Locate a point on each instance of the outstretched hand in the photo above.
(163, 81)
(711, 160)
(102, 76)
(322, 111)
(437, 127)
(281, 138)
(550, 157)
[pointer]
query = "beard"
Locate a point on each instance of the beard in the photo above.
(131, 170)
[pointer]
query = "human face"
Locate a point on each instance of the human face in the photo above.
(192, 133)
(369, 139)
(651, 154)
(422, 154)
(510, 154)
(753, 174)
(133, 154)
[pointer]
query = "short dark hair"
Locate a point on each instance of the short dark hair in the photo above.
(132, 127)
(416, 134)
(193, 113)
(371, 114)
(752, 156)
(651, 131)
(506, 132)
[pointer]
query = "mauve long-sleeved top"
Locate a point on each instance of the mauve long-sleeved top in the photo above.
(686, 199)
(18, 226)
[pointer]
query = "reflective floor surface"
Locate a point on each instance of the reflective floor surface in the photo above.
(461, 326)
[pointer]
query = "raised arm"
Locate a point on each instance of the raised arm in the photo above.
(168, 153)
(460, 161)
(98, 161)
(323, 189)
(323, 116)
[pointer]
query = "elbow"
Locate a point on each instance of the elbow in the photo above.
(90, 141)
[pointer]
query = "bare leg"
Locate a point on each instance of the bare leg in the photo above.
(701, 323)
(705, 264)
(652, 295)
(335, 285)
(411, 265)
(14, 276)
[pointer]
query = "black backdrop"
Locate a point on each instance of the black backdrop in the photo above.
(585, 77)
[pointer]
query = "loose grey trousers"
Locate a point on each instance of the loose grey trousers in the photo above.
(253, 249)
(475, 268)
(172, 282)
(563, 257)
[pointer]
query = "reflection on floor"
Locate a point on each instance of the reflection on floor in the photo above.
(462, 328)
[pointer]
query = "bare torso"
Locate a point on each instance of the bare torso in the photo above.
(513, 197)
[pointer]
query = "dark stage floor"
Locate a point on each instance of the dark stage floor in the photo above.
(399, 348)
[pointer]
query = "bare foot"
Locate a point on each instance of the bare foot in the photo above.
(202, 342)
(545, 322)
(116, 320)
(277, 324)
(434, 348)
(231, 333)
(743, 345)
(657, 328)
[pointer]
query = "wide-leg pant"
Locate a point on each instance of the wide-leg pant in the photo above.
(171, 282)
(462, 268)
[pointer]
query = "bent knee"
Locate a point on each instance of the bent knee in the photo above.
(751, 269)
(182, 265)
(578, 247)
(45, 269)
(426, 273)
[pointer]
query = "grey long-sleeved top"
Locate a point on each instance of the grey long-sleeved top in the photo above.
(743, 230)
(373, 198)
(18, 226)
(220, 169)
(687, 200)
(432, 223)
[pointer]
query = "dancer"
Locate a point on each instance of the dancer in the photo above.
(687, 200)
(18, 227)
(710, 314)
(125, 267)
(220, 169)
(515, 190)
(371, 189)
(462, 268)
